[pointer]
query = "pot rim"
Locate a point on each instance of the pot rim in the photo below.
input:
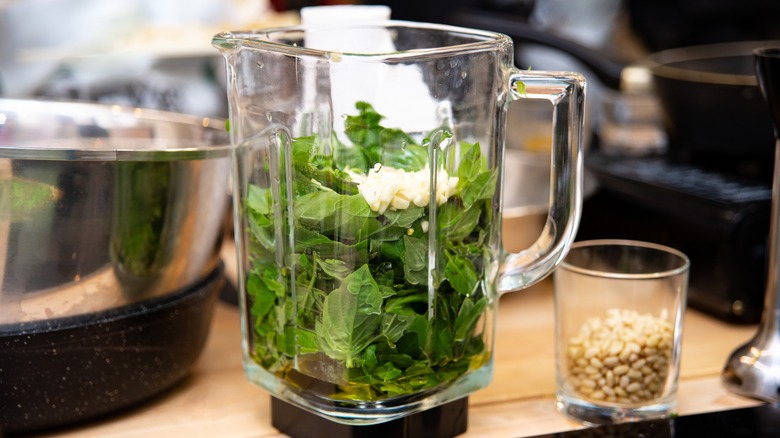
(660, 62)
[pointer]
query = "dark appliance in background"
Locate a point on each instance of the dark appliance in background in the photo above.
(719, 220)
(711, 204)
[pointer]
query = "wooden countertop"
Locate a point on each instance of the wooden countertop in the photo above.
(217, 400)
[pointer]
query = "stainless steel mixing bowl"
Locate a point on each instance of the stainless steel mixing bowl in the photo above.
(103, 206)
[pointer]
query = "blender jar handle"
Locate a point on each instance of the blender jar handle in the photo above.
(566, 92)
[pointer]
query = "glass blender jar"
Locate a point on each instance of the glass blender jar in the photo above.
(368, 169)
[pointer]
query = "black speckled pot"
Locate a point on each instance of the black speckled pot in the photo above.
(61, 371)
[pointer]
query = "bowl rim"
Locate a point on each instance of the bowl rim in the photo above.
(208, 136)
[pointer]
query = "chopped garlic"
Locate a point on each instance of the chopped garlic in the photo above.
(386, 187)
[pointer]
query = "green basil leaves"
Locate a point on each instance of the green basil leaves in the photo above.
(382, 305)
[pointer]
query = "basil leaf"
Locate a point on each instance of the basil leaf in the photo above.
(309, 300)
(303, 149)
(410, 344)
(475, 180)
(404, 218)
(468, 316)
(351, 317)
(351, 157)
(483, 186)
(285, 341)
(411, 157)
(387, 372)
(461, 274)
(259, 200)
(354, 206)
(262, 298)
(312, 241)
(471, 164)
(407, 305)
(459, 224)
(369, 360)
(306, 341)
(268, 280)
(366, 131)
(439, 345)
(335, 268)
(313, 208)
(415, 260)
(262, 230)
(391, 250)
(394, 326)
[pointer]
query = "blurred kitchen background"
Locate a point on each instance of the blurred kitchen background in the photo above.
(647, 179)
(158, 53)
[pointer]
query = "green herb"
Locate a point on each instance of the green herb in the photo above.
(352, 292)
(521, 87)
(140, 232)
(22, 199)
(351, 317)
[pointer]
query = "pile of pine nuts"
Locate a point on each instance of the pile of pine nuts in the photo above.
(623, 358)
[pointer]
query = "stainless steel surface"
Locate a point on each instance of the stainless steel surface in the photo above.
(103, 206)
(753, 369)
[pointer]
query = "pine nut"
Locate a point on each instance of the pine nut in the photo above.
(622, 358)
(621, 369)
(633, 387)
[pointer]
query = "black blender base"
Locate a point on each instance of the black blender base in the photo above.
(445, 421)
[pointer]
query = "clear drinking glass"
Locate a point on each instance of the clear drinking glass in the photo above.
(619, 308)
(367, 187)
